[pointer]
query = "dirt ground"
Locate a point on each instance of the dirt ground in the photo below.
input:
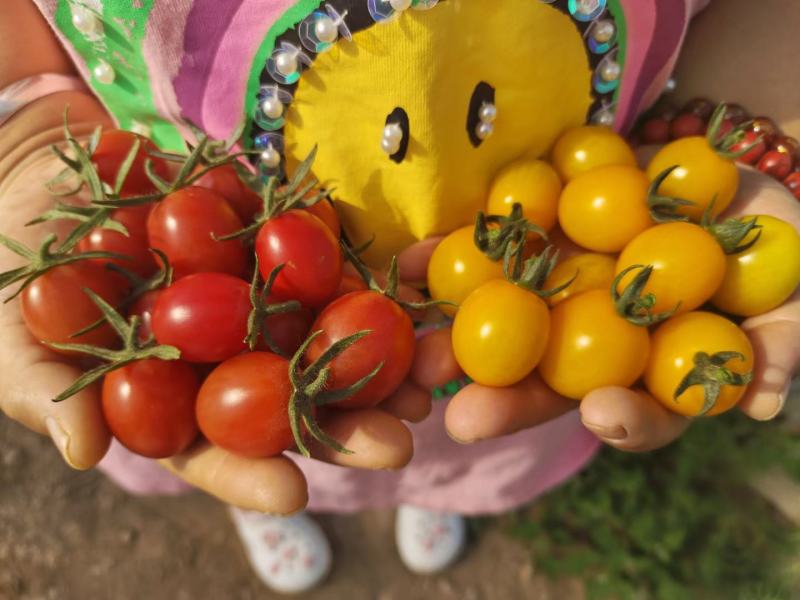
(75, 536)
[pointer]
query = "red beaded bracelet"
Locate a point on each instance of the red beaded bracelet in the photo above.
(776, 154)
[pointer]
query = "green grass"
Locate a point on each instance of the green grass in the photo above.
(680, 523)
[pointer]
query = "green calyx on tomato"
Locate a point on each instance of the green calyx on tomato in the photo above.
(278, 200)
(730, 233)
(495, 234)
(631, 305)
(711, 373)
(723, 144)
(309, 390)
(664, 209)
(133, 349)
(262, 308)
(531, 274)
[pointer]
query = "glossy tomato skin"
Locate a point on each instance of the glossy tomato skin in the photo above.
(590, 272)
(764, 276)
(689, 265)
(500, 333)
(136, 245)
(288, 330)
(604, 209)
(226, 181)
(55, 305)
(591, 347)
(702, 176)
(585, 148)
(111, 152)
(204, 316)
(326, 212)
(392, 342)
(674, 346)
(243, 405)
(310, 254)
(149, 406)
(533, 184)
(457, 268)
(350, 283)
(183, 225)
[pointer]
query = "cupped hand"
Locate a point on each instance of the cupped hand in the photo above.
(626, 419)
(31, 375)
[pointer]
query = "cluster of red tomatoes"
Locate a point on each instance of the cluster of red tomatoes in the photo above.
(651, 283)
(239, 322)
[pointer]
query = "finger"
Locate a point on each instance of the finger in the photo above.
(413, 261)
(270, 485)
(478, 412)
(777, 355)
(762, 195)
(630, 420)
(409, 403)
(434, 362)
(376, 439)
(30, 377)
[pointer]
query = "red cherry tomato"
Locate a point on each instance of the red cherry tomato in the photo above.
(759, 147)
(288, 330)
(351, 283)
(135, 245)
(309, 252)
(149, 406)
(686, 125)
(226, 181)
(143, 308)
(793, 183)
(765, 128)
(325, 212)
(183, 226)
(55, 305)
(776, 164)
(702, 107)
(204, 316)
(736, 114)
(391, 342)
(243, 405)
(655, 131)
(111, 152)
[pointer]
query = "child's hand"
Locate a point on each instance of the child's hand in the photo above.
(30, 376)
(628, 419)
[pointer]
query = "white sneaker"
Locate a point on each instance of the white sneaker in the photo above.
(429, 541)
(289, 554)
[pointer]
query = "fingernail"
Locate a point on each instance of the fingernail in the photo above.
(60, 439)
(780, 401)
(616, 433)
(776, 377)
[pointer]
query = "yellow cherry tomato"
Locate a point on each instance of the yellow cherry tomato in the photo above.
(688, 265)
(591, 346)
(590, 271)
(702, 176)
(765, 275)
(673, 353)
(604, 209)
(534, 184)
(585, 148)
(500, 333)
(458, 268)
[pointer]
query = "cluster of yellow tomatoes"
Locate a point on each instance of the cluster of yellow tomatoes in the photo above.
(650, 282)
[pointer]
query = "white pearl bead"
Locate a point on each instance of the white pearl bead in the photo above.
(671, 85)
(393, 132)
(610, 71)
(488, 113)
(85, 21)
(325, 30)
(271, 158)
(272, 108)
(604, 117)
(586, 7)
(390, 146)
(484, 130)
(104, 73)
(286, 63)
(400, 5)
(604, 31)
